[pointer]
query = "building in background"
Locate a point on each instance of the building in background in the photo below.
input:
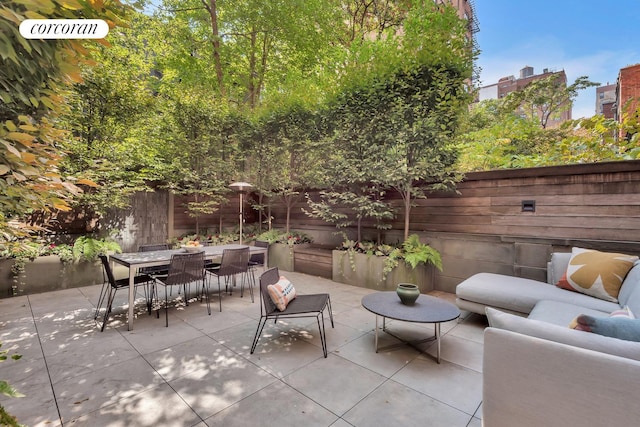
(509, 84)
(606, 100)
(627, 91)
(467, 10)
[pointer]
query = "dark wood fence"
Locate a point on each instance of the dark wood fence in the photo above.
(506, 221)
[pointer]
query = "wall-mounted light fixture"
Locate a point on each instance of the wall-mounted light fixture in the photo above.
(528, 206)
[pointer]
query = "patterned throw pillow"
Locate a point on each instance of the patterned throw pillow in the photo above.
(595, 273)
(282, 293)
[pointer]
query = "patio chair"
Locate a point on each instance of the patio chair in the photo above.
(257, 260)
(110, 286)
(234, 262)
(159, 270)
(311, 305)
(183, 270)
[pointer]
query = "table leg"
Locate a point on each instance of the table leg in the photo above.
(132, 297)
(377, 332)
(437, 333)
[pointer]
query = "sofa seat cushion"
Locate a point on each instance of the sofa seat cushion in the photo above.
(520, 295)
(563, 334)
(561, 313)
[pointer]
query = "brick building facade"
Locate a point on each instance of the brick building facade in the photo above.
(627, 91)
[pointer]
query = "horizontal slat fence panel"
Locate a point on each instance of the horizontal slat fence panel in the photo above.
(595, 205)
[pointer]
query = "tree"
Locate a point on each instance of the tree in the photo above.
(352, 173)
(546, 98)
(420, 121)
(415, 85)
(251, 47)
(293, 130)
(200, 160)
(494, 137)
(111, 113)
(35, 73)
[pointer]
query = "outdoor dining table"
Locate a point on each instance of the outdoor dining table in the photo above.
(137, 260)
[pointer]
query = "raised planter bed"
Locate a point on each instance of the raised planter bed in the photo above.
(281, 256)
(313, 259)
(48, 273)
(368, 272)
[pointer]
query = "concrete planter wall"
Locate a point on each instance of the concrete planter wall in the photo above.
(281, 256)
(48, 273)
(368, 272)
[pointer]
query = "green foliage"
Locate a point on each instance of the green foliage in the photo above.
(7, 419)
(415, 253)
(495, 137)
(412, 251)
(87, 248)
(35, 76)
(290, 238)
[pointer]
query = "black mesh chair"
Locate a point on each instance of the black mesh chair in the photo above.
(110, 286)
(158, 270)
(234, 262)
(257, 260)
(185, 269)
(311, 305)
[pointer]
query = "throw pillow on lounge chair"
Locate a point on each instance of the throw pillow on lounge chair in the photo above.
(282, 293)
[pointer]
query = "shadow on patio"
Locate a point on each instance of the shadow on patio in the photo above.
(198, 371)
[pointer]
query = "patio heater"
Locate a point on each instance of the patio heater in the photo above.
(240, 187)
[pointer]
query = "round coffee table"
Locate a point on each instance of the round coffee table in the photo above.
(426, 309)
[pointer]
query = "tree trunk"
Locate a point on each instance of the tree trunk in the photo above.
(213, 13)
(407, 212)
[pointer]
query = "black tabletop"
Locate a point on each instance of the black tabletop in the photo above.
(426, 309)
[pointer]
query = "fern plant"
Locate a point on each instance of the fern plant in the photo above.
(413, 252)
(87, 248)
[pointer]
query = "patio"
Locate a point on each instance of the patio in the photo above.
(198, 371)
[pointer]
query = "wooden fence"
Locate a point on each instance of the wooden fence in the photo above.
(506, 221)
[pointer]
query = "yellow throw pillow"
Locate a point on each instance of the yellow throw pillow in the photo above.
(595, 273)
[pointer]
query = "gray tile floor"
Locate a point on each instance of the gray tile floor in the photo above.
(198, 371)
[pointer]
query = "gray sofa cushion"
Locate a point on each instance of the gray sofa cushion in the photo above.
(557, 266)
(521, 295)
(630, 291)
(544, 330)
(561, 313)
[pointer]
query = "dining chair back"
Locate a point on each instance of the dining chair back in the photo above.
(185, 269)
(158, 270)
(110, 286)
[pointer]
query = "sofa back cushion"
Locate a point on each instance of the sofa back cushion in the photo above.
(564, 335)
(630, 291)
(557, 266)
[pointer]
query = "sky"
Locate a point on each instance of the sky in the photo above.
(593, 38)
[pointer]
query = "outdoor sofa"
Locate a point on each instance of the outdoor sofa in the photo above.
(537, 370)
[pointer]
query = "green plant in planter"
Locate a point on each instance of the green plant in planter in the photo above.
(270, 236)
(87, 248)
(291, 238)
(64, 252)
(21, 252)
(413, 252)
